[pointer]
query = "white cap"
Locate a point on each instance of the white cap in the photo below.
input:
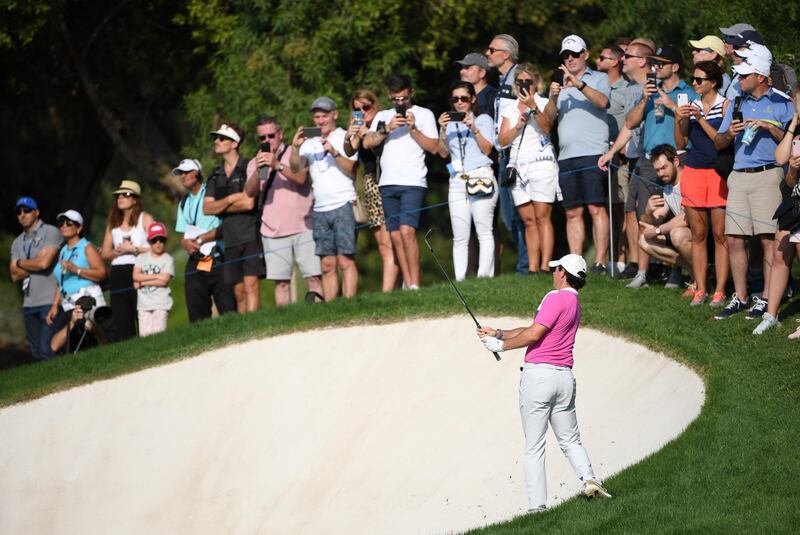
(573, 264)
(573, 43)
(72, 215)
(227, 131)
(757, 59)
(187, 165)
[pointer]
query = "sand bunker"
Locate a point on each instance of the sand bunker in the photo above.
(404, 428)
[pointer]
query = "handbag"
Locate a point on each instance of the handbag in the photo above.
(360, 211)
(788, 212)
(480, 187)
(512, 174)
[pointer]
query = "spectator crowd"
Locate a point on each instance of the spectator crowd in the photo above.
(678, 165)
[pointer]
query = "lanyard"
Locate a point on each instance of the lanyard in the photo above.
(29, 247)
(497, 98)
(200, 195)
(462, 145)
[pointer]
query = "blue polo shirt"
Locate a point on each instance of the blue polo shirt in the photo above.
(582, 126)
(661, 130)
(773, 106)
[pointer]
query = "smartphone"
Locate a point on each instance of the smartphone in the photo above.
(526, 84)
(683, 99)
(456, 115)
(558, 76)
(358, 118)
(312, 132)
(265, 147)
(796, 147)
(652, 78)
(126, 238)
(737, 116)
(401, 109)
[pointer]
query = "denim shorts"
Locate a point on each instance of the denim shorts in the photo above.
(335, 231)
(401, 205)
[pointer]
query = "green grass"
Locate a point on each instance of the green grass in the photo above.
(733, 470)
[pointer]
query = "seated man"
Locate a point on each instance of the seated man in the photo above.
(665, 233)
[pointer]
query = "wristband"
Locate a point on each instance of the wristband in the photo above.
(78, 272)
(582, 87)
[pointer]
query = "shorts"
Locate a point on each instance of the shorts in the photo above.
(537, 182)
(335, 231)
(581, 181)
(752, 201)
(703, 188)
(152, 321)
(401, 205)
(280, 254)
(242, 261)
(643, 184)
(620, 180)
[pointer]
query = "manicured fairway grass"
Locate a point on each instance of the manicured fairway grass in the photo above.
(734, 470)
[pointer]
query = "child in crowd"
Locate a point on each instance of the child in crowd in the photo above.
(151, 275)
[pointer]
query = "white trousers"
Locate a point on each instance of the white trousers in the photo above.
(463, 210)
(547, 394)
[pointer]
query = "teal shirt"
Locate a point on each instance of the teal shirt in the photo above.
(661, 130)
(190, 212)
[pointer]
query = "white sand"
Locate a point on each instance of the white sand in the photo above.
(404, 428)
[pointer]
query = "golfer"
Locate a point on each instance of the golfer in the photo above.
(547, 386)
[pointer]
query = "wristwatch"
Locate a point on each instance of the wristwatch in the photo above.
(281, 167)
(582, 87)
(199, 240)
(658, 231)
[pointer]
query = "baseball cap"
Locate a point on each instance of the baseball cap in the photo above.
(668, 54)
(573, 43)
(757, 59)
(739, 27)
(227, 131)
(155, 230)
(72, 215)
(741, 39)
(187, 165)
(711, 42)
(323, 104)
(572, 263)
(128, 186)
(474, 58)
(26, 202)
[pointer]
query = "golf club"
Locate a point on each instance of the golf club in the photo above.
(463, 301)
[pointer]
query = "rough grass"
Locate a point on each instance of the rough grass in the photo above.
(733, 470)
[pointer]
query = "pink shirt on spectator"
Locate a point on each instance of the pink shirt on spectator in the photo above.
(287, 209)
(560, 312)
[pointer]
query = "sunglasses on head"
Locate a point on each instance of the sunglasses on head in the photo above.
(126, 194)
(364, 107)
(158, 239)
(24, 210)
(264, 137)
(570, 54)
(68, 222)
(460, 98)
(698, 79)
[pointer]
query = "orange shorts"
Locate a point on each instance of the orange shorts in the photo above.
(703, 188)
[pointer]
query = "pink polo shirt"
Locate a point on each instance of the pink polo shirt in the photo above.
(560, 312)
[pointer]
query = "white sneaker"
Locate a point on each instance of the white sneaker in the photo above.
(593, 489)
(768, 321)
(639, 281)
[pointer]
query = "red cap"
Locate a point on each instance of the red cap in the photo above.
(156, 229)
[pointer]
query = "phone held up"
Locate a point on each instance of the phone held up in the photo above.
(558, 76)
(358, 118)
(526, 84)
(796, 147)
(736, 115)
(401, 109)
(683, 99)
(312, 132)
(456, 115)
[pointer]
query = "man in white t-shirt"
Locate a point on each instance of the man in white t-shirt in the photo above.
(332, 173)
(407, 131)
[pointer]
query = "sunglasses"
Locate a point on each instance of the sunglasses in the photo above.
(493, 50)
(218, 137)
(158, 239)
(601, 57)
(702, 50)
(519, 83)
(67, 222)
(629, 56)
(749, 74)
(126, 194)
(660, 64)
(698, 79)
(24, 210)
(364, 107)
(267, 136)
(400, 99)
(570, 54)
(460, 98)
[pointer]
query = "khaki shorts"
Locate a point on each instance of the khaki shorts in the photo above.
(752, 201)
(620, 179)
(280, 254)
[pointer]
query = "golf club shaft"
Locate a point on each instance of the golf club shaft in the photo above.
(453, 284)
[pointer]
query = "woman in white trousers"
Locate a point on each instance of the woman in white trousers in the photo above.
(547, 386)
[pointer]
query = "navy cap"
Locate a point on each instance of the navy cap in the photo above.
(741, 39)
(27, 202)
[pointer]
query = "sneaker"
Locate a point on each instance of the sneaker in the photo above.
(718, 301)
(598, 269)
(758, 309)
(675, 279)
(699, 298)
(630, 271)
(639, 281)
(796, 334)
(593, 489)
(735, 305)
(768, 321)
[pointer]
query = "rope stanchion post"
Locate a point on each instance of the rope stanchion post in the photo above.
(611, 258)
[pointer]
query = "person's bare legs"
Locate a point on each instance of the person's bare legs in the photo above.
(618, 228)
(681, 239)
(698, 223)
(600, 227)
(526, 212)
(390, 267)
(632, 237)
(330, 278)
(400, 255)
(782, 257)
(349, 274)
(722, 266)
(240, 295)
(657, 247)
(411, 248)
(738, 257)
(282, 293)
(768, 244)
(576, 232)
(251, 288)
(544, 223)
